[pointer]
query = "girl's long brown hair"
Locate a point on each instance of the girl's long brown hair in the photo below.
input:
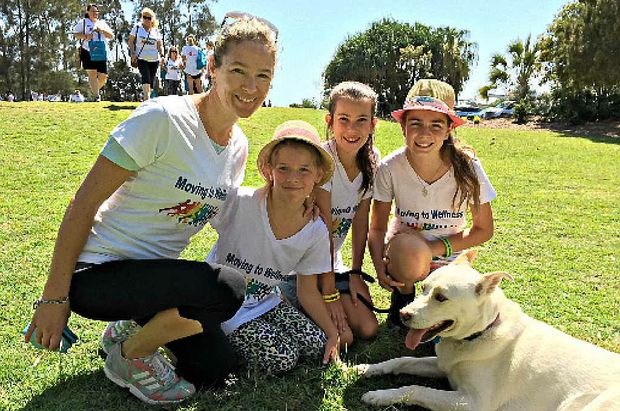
(461, 157)
(366, 158)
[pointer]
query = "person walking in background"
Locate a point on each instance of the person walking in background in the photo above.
(146, 48)
(87, 29)
(189, 54)
(163, 175)
(173, 66)
(434, 180)
(209, 53)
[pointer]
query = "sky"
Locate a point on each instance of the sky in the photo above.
(311, 31)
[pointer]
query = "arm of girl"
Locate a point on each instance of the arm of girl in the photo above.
(480, 231)
(312, 302)
(328, 280)
(359, 235)
(100, 183)
(376, 243)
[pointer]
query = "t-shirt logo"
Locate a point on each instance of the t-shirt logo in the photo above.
(190, 212)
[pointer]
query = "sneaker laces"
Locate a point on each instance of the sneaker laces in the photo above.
(162, 369)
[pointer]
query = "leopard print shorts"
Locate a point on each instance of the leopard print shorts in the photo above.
(274, 342)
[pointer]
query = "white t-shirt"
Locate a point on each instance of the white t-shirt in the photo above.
(150, 52)
(87, 26)
(345, 199)
(246, 242)
(173, 69)
(432, 215)
(77, 98)
(182, 184)
(191, 56)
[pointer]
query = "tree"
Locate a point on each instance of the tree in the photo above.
(390, 56)
(580, 55)
(515, 70)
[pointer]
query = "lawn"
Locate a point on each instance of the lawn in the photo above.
(557, 232)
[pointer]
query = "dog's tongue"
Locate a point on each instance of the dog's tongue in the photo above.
(414, 337)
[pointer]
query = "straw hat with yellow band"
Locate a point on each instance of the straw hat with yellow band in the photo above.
(301, 131)
(431, 95)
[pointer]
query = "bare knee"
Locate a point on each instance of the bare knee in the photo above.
(409, 258)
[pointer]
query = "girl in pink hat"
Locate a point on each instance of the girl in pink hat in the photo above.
(266, 235)
(347, 196)
(433, 181)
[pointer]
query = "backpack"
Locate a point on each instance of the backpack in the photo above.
(201, 60)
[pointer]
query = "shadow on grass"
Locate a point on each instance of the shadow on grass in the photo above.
(116, 107)
(606, 132)
(91, 391)
(373, 352)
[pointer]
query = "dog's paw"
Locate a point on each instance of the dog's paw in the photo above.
(378, 397)
(361, 369)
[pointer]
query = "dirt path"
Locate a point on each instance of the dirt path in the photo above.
(603, 128)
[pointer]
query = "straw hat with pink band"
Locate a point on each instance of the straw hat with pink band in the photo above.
(431, 95)
(300, 131)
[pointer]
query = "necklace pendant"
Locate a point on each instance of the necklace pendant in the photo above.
(424, 191)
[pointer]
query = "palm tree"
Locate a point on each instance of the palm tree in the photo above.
(515, 70)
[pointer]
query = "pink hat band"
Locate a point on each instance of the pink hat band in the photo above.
(430, 104)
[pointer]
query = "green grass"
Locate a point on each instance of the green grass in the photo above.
(557, 232)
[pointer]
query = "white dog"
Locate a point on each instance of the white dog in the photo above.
(494, 356)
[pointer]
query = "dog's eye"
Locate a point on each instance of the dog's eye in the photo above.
(440, 297)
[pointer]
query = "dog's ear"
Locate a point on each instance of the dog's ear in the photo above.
(466, 257)
(489, 282)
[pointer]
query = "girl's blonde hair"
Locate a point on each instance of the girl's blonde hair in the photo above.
(366, 159)
(242, 29)
(150, 12)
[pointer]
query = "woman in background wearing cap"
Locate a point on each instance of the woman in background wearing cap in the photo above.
(265, 234)
(433, 181)
(163, 175)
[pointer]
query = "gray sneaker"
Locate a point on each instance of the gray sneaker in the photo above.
(118, 331)
(152, 379)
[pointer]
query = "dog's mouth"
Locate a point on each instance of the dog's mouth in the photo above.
(416, 336)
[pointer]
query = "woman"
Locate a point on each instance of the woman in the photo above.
(87, 29)
(164, 173)
(146, 47)
(193, 75)
(173, 67)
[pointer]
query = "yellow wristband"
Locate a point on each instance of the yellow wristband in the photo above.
(330, 298)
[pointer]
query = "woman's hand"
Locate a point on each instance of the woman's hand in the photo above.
(339, 317)
(332, 350)
(49, 320)
(134, 59)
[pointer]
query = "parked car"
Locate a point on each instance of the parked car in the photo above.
(467, 110)
(503, 109)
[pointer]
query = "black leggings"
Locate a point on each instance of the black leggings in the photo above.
(148, 71)
(139, 289)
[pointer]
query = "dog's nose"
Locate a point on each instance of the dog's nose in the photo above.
(404, 315)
